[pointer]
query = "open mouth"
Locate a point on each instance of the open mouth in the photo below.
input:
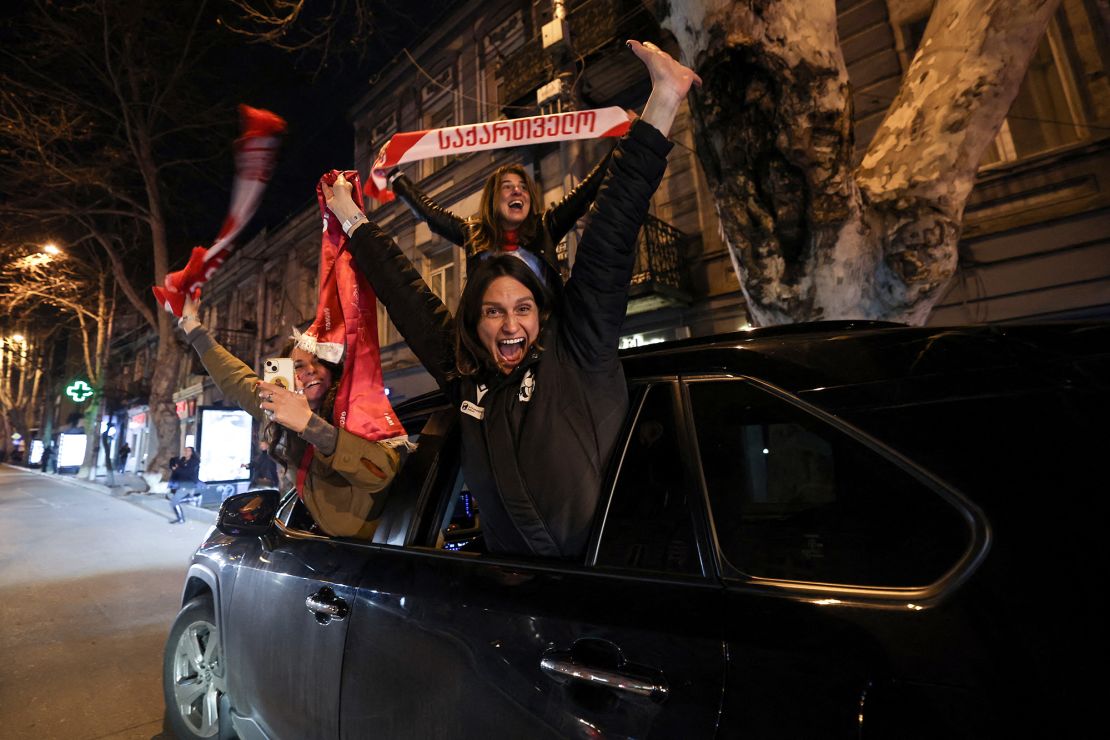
(511, 350)
(516, 204)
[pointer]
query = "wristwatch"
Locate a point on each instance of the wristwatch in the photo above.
(353, 221)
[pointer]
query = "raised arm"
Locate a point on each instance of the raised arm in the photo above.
(561, 217)
(231, 375)
(597, 292)
(419, 315)
(439, 219)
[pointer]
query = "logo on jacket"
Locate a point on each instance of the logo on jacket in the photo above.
(472, 409)
(527, 387)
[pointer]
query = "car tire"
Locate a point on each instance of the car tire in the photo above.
(192, 672)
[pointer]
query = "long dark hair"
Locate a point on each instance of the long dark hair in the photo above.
(486, 231)
(278, 436)
(470, 356)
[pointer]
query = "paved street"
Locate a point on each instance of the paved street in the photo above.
(89, 583)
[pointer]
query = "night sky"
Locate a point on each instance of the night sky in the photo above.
(314, 100)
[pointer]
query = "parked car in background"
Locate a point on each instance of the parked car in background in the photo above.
(821, 531)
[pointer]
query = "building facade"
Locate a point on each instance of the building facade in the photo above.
(1036, 239)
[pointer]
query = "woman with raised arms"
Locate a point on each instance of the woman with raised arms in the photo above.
(536, 377)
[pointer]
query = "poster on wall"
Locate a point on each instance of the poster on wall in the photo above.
(224, 440)
(71, 450)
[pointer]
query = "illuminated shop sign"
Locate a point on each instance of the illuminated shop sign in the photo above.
(79, 391)
(71, 450)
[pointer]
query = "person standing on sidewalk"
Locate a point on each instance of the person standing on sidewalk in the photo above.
(183, 483)
(121, 457)
(264, 473)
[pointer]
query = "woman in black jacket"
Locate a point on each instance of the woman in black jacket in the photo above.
(508, 217)
(538, 381)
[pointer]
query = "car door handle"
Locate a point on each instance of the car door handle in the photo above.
(326, 605)
(639, 685)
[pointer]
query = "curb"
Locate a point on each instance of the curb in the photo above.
(155, 503)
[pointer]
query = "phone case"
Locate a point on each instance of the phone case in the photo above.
(279, 371)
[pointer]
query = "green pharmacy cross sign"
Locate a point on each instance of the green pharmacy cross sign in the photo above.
(79, 391)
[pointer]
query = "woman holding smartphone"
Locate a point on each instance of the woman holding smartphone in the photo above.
(341, 476)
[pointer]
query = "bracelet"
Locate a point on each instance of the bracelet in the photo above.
(350, 223)
(184, 316)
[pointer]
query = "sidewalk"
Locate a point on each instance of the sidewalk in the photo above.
(131, 488)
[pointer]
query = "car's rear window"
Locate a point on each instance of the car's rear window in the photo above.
(794, 498)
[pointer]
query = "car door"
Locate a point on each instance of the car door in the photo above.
(838, 556)
(285, 628)
(285, 632)
(457, 644)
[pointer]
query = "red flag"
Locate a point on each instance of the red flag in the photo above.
(255, 155)
(346, 329)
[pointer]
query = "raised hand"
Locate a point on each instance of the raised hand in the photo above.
(190, 314)
(338, 198)
(670, 81)
(288, 408)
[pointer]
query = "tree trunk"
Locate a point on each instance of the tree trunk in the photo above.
(817, 238)
(163, 412)
(92, 418)
(163, 382)
(5, 435)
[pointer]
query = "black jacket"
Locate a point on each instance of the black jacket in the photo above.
(536, 459)
(555, 222)
(264, 470)
(186, 471)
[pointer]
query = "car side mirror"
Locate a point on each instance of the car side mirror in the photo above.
(249, 514)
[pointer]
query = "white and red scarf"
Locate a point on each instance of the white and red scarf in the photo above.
(476, 137)
(255, 155)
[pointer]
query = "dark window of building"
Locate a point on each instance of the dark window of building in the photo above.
(649, 524)
(275, 304)
(439, 98)
(497, 46)
(442, 276)
(794, 498)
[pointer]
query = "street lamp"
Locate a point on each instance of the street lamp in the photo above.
(46, 254)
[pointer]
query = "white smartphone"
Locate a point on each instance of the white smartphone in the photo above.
(279, 371)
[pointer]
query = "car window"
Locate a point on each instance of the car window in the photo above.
(459, 527)
(649, 522)
(794, 498)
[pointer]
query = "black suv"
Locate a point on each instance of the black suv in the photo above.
(823, 531)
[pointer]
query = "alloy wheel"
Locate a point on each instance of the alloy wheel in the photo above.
(196, 667)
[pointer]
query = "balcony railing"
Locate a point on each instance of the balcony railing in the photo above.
(659, 254)
(659, 277)
(238, 342)
(659, 274)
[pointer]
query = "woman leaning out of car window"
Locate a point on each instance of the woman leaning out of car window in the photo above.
(342, 477)
(536, 376)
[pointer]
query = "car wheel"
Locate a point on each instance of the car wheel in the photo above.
(192, 672)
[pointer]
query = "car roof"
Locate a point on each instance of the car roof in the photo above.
(830, 354)
(824, 356)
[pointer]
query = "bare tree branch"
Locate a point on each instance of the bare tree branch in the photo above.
(314, 30)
